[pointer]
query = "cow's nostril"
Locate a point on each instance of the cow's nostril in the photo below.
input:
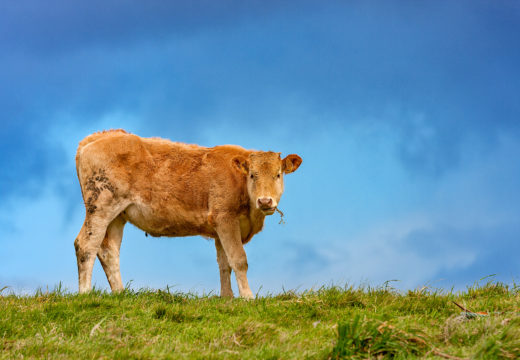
(265, 201)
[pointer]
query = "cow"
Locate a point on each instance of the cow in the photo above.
(174, 189)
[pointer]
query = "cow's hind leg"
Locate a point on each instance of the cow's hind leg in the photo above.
(225, 271)
(92, 234)
(108, 253)
(87, 246)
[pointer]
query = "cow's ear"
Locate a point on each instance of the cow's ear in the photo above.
(291, 163)
(242, 164)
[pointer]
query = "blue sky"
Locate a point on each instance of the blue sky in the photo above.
(405, 113)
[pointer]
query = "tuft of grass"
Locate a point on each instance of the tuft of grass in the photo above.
(328, 323)
(504, 344)
(361, 338)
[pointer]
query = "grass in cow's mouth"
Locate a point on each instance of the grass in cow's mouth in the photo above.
(282, 221)
(329, 323)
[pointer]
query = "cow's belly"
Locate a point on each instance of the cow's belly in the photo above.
(165, 222)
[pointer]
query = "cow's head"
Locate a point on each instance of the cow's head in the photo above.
(264, 171)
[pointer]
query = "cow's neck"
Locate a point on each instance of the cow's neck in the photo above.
(256, 217)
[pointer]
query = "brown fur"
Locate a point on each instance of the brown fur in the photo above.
(174, 189)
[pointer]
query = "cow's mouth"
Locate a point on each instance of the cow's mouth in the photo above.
(268, 211)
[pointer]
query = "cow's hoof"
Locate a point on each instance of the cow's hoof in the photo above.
(248, 296)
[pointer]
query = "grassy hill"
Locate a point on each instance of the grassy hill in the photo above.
(330, 323)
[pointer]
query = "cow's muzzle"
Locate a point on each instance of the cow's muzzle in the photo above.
(266, 205)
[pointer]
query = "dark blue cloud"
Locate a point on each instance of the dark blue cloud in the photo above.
(57, 25)
(448, 61)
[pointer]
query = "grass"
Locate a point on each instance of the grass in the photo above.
(329, 323)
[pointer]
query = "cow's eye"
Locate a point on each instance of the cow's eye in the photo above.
(252, 176)
(278, 176)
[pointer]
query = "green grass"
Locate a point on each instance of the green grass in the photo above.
(330, 323)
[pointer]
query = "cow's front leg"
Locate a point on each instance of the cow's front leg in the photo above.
(225, 271)
(229, 234)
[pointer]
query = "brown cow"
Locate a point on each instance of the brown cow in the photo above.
(174, 189)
